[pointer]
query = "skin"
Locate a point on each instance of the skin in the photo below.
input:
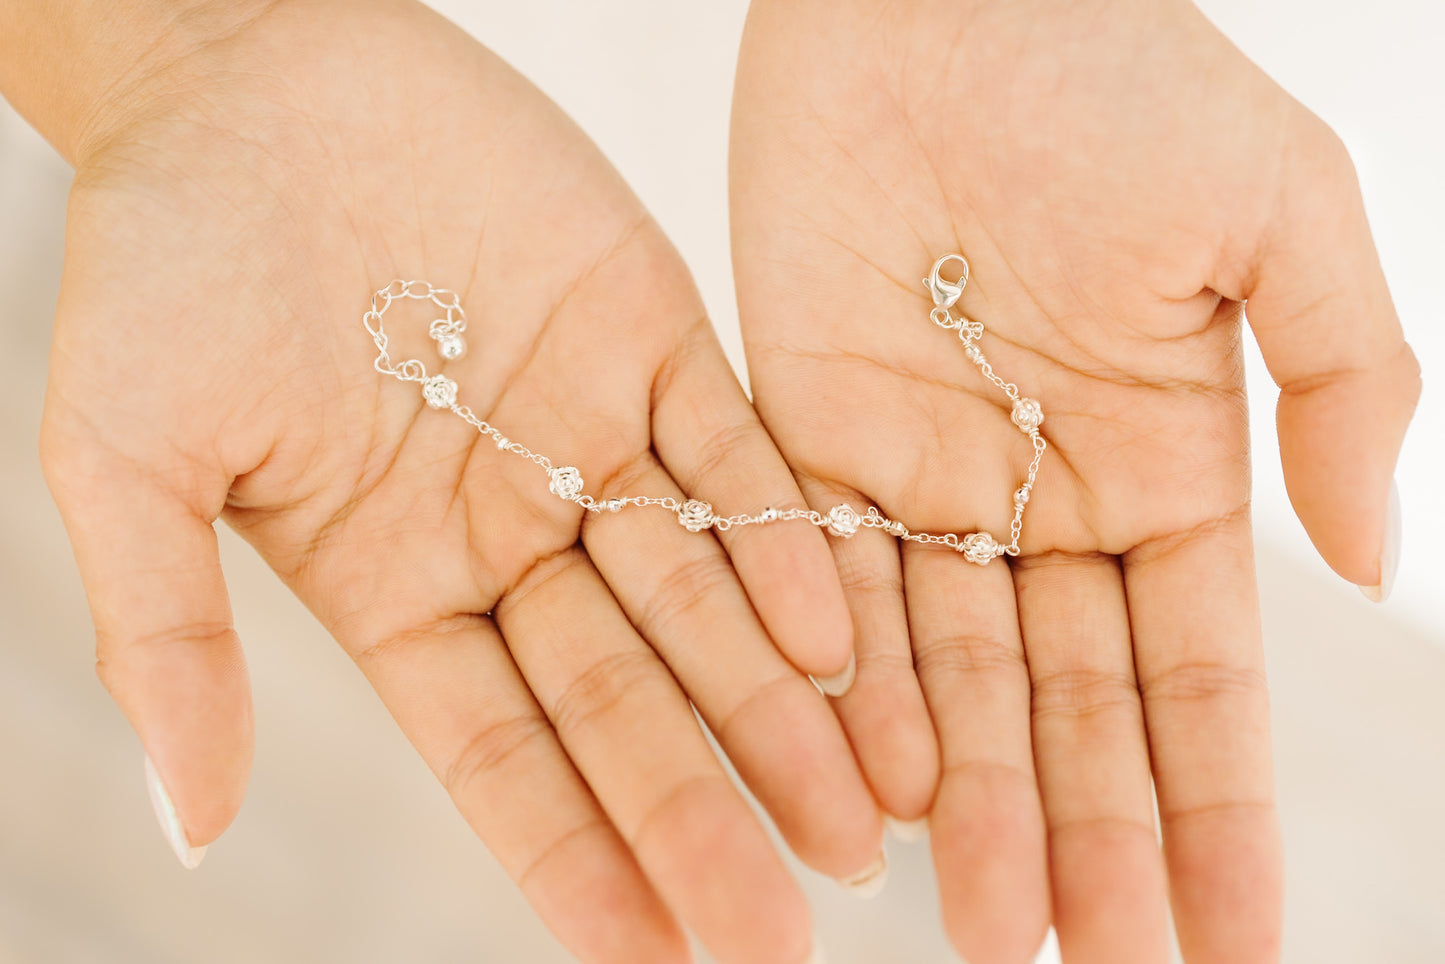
(1122, 179)
(240, 191)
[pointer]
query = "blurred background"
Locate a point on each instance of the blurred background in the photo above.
(348, 851)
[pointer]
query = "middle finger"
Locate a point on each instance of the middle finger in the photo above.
(987, 826)
(1093, 760)
(680, 590)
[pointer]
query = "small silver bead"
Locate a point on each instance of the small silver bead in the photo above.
(768, 515)
(439, 391)
(503, 442)
(973, 353)
(451, 347)
(613, 505)
(897, 529)
(566, 483)
(1021, 497)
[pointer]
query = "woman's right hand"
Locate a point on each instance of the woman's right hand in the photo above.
(241, 190)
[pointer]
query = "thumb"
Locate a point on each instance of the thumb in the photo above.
(165, 646)
(1322, 315)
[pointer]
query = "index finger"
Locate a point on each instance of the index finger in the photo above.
(711, 441)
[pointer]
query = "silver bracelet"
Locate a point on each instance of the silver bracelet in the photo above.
(842, 520)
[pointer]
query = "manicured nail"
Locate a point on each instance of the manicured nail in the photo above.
(869, 881)
(838, 685)
(170, 821)
(907, 831)
(1389, 551)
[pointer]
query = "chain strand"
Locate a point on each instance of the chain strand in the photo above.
(842, 520)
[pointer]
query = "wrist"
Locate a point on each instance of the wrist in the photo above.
(78, 70)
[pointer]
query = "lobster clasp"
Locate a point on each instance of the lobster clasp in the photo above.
(946, 293)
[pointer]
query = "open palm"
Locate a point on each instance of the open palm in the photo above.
(229, 222)
(1121, 180)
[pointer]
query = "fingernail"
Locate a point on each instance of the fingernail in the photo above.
(1389, 551)
(817, 956)
(170, 821)
(836, 686)
(907, 831)
(869, 881)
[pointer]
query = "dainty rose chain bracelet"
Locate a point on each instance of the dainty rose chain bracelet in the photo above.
(842, 520)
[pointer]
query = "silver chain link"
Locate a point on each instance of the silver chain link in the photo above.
(842, 520)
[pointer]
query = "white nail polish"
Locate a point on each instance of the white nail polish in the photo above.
(907, 831)
(868, 882)
(836, 686)
(1389, 551)
(170, 821)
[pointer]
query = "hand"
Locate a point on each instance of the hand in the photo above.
(234, 209)
(1121, 179)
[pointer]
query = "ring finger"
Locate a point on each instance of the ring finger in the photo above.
(630, 731)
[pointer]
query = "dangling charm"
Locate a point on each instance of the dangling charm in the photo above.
(451, 347)
(448, 336)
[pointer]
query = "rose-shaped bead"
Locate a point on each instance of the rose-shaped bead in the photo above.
(566, 483)
(843, 520)
(1028, 414)
(695, 515)
(979, 547)
(439, 391)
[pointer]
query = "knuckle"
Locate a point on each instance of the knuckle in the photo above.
(560, 847)
(382, 645)
(882, 665)
(629, 474)
(61, 459)
(717, 448)
(1204, 682)
(681, 591)
(1084, 693)
(969, 654)
(691, 802)
(111, 644)
(864, 580)
(774, 691)
(117, 649)
(604, 686)
(490, 748)
(680, 358)
(1407, 375)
